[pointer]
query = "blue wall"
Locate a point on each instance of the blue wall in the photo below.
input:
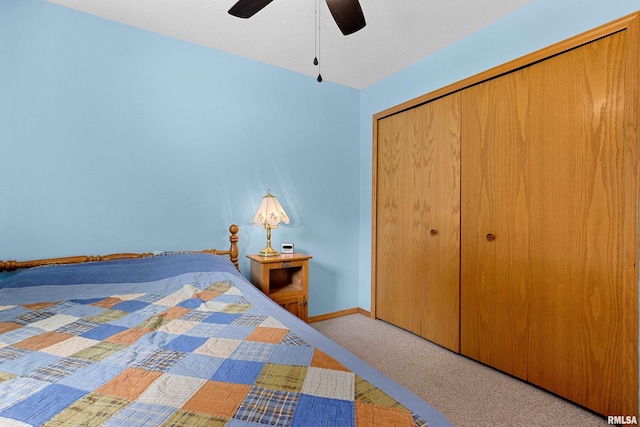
(116, 139)
(537, 25)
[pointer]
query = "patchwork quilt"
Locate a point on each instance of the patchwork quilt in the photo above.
(179, 346)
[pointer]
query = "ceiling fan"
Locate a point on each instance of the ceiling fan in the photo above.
(347, 13)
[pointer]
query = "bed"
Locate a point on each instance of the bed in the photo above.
(176, 339)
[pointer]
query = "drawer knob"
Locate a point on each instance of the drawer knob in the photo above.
(491, 237)
(434, 232)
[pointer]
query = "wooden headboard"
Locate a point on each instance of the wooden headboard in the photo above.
(232, 252)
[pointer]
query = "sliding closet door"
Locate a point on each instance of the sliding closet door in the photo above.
(418, 220)
(549, 213)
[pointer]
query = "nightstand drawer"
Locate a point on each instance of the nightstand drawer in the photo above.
(289, 264)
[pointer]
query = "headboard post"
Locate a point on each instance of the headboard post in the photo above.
(233, 249)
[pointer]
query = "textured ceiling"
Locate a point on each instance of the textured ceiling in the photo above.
(398, 32)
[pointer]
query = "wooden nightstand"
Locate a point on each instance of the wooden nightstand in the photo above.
(283, 278)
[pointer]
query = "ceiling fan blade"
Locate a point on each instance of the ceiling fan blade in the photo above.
(347, 14)
(248, 8)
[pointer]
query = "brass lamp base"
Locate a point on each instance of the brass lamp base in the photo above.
(268, 251)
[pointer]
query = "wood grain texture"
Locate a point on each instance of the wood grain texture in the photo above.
(232, 252)
(558, 195)
(494, 286)
(551, 171)
(622, 24)
(417, 207)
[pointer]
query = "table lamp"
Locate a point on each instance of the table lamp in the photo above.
(269, 215)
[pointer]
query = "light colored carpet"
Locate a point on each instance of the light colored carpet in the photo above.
(466, 392)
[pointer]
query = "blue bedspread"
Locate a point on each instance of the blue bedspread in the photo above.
(177, 340)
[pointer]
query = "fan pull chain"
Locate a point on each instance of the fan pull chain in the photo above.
(315, 59)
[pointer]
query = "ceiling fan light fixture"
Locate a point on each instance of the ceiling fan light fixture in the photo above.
(347, 13)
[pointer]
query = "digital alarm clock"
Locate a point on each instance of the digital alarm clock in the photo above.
(287, 248)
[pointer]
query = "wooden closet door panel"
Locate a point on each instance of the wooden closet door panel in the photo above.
(417, 227)
(549, 167)
(496, 263)
(584, 343)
